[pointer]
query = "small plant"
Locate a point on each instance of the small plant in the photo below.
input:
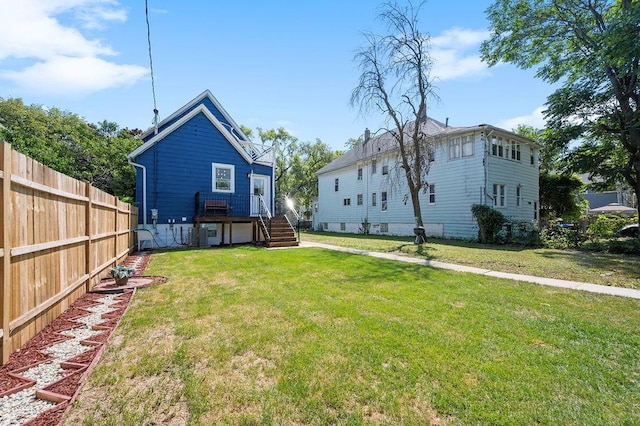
(121, 271)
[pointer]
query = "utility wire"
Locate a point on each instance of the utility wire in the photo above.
(153, 83)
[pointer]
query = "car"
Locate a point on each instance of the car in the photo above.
(629, 230)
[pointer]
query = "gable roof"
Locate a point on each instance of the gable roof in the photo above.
(385, 142)
(191, 104)
(200, 109)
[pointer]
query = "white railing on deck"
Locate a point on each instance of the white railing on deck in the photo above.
(263, 213)
(259, 153)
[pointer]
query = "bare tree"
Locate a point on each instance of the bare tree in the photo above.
(395, 80)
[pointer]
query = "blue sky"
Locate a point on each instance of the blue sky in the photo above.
(277, 63)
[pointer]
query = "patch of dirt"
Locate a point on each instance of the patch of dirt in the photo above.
(161, 408)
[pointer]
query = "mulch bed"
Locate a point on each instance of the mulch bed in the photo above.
(85, 357)
(73, 313)
(50, 417)
(68, 385)
(21, 360)
(110, 323)
(62, 324)
(97, 338)
(14, 382)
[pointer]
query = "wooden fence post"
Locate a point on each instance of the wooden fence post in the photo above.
(87, 224)
(116, 228)
(5, 199)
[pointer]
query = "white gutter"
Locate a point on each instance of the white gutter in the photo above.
(144, 189)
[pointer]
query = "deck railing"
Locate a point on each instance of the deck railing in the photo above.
(228, 204)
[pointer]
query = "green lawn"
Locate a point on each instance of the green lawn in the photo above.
(308, 336)
(598, 268)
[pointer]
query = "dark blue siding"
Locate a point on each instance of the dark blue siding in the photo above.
(180, 165)
(208, 104)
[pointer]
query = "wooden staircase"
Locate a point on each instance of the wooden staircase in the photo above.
(281, 233)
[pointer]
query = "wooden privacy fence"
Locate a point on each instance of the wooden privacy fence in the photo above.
(59, 238)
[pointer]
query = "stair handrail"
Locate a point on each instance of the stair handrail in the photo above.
(264, 208)
(290, 206)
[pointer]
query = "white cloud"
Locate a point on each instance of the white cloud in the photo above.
(456, 54)
(64, 75)
(535, 119)
(63, 59)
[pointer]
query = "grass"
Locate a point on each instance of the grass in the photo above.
(598, 268)
(254, 337)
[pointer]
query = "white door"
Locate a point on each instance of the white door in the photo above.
(260, 186)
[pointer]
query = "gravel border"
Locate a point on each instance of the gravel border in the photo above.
(23, 406)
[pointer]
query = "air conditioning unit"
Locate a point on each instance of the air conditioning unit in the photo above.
(203, 236)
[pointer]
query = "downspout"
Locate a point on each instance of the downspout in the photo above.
(144, 189)
(485, 161)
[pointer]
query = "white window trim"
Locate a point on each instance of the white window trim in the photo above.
(232, 186)
(497, 197)
(432, 187)
(467, 140)
(455, 148)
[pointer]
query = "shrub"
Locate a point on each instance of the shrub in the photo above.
(606, 226)
(563, 238)
(489, 220)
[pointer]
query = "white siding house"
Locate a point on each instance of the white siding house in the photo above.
(470, 165)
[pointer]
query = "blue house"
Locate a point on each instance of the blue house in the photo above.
(201, 181)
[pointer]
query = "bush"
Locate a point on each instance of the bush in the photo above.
(626, 246)
(489, 220)
(607, 226)
(563, 238)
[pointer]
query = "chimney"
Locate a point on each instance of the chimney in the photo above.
(367, 135)
(446, 123)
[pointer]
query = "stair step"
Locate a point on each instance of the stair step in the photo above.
(282, 244)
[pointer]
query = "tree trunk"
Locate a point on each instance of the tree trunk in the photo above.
(417, 211)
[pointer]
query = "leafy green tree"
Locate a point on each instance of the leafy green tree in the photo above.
(312, 157)
(395, 80)
(286, 146)
(560, 196)
(591, 48)
(560, 193)
(296, 164)
(94, 153)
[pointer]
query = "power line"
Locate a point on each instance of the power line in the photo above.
(153, 83)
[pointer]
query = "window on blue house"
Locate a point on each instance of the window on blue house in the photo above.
(223, 178)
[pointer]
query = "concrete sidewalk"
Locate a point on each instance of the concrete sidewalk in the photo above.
(574, 285)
